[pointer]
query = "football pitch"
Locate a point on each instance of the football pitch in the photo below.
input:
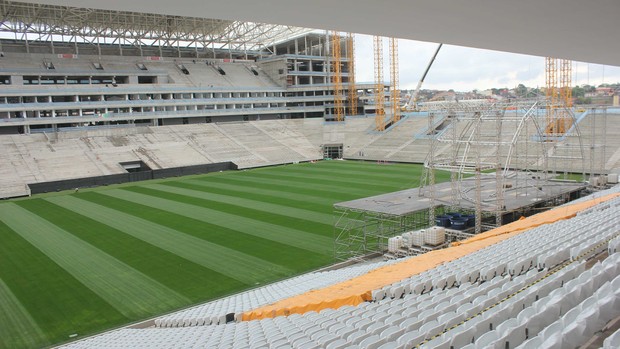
(82, 262)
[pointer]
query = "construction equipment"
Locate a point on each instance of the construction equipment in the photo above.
(412, 103)
(379, 84)
(394, 81)
(351, 61)
(559, 100)
(336, 66)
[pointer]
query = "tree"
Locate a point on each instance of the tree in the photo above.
(588, 88)
(521, 90)
(578, 92)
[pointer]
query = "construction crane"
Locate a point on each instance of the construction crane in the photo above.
(336, 66)
(394, 81)
(558, 99)
(412, 103)
(551, 92)
(352, 87)
(379, 86)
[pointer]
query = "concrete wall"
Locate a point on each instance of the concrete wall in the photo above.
(273, 68)
(45, 187)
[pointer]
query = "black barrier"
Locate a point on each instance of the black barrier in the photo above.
(68, 184)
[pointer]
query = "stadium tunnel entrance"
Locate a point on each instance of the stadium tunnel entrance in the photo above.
(135, 166)
(332, 151)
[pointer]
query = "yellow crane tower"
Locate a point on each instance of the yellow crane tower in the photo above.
(351, 61)
(559, 100)
(379, 92)
(336, 70)
(566, 94)
(394, 80)
(551, 92)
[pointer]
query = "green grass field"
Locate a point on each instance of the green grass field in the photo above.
(79, 263)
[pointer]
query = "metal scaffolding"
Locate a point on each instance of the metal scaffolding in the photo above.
(49, 23)
(394, 81)
(352, 87)
(359, 233)
(558, 78)
(379, 86)
(336, 75)
(507, 138)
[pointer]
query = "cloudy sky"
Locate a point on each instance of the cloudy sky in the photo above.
(465, 69)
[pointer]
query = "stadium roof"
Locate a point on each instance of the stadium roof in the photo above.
(577, 30)
(40, 22)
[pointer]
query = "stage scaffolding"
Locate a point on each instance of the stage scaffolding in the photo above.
(503, 162)
(359, 233)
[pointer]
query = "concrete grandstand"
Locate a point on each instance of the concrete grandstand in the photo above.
(209, 95)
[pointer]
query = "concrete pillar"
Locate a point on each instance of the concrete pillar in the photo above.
(17, 80)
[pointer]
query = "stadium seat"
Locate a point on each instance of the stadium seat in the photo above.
(613, 341)
(462, 336)
(392, 333)
(337, 344)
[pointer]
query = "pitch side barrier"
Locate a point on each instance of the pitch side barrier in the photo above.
(88, 182)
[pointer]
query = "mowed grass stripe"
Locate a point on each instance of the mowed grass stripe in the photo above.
(346, 182)
(17, 327)
(275, 218)
(285, 187)
(58, 302)
(247, 203)
(369, 166)
(345, 192)
(279, 198)
(286, 235)
(268, 250)
(309, 176)
(240, 189)
(411, 171)
(190, 279)
(345, 172)
(232, 263)
(129, 291)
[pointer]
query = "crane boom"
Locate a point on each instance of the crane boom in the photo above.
(413, 100)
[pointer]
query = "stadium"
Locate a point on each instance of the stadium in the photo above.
(186, 176)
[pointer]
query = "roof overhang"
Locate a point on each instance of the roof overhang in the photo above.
(578, 30)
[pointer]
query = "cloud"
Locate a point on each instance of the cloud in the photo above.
(466, 69)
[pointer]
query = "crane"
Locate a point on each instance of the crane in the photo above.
(559, 100)
(411, 104)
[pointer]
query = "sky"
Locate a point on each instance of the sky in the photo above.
(465, 69)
